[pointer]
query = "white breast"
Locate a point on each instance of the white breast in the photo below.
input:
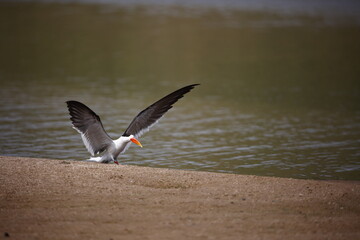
(121, 145)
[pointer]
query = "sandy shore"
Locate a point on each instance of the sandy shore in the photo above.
(54, 199)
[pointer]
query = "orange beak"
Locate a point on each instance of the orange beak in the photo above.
(134, 140)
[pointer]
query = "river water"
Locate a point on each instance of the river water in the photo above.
(279, 93)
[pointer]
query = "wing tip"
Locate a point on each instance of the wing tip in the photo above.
(188, 88)
(73, 103)
(192, 85)
(70, 102)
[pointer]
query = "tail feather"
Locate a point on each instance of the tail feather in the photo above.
(94, 159)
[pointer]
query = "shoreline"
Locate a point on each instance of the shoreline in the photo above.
(62, 199)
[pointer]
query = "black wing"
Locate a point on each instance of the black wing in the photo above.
(149, 116)
(89, 125)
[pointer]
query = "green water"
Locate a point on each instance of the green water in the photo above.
(279, 94)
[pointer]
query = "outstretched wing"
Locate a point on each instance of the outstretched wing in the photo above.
(149, 116)
(89, 125)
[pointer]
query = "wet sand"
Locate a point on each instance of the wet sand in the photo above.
(55, 199)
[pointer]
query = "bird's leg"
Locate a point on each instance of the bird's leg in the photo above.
(115, 161)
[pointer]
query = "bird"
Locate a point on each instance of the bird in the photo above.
(98, 142)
